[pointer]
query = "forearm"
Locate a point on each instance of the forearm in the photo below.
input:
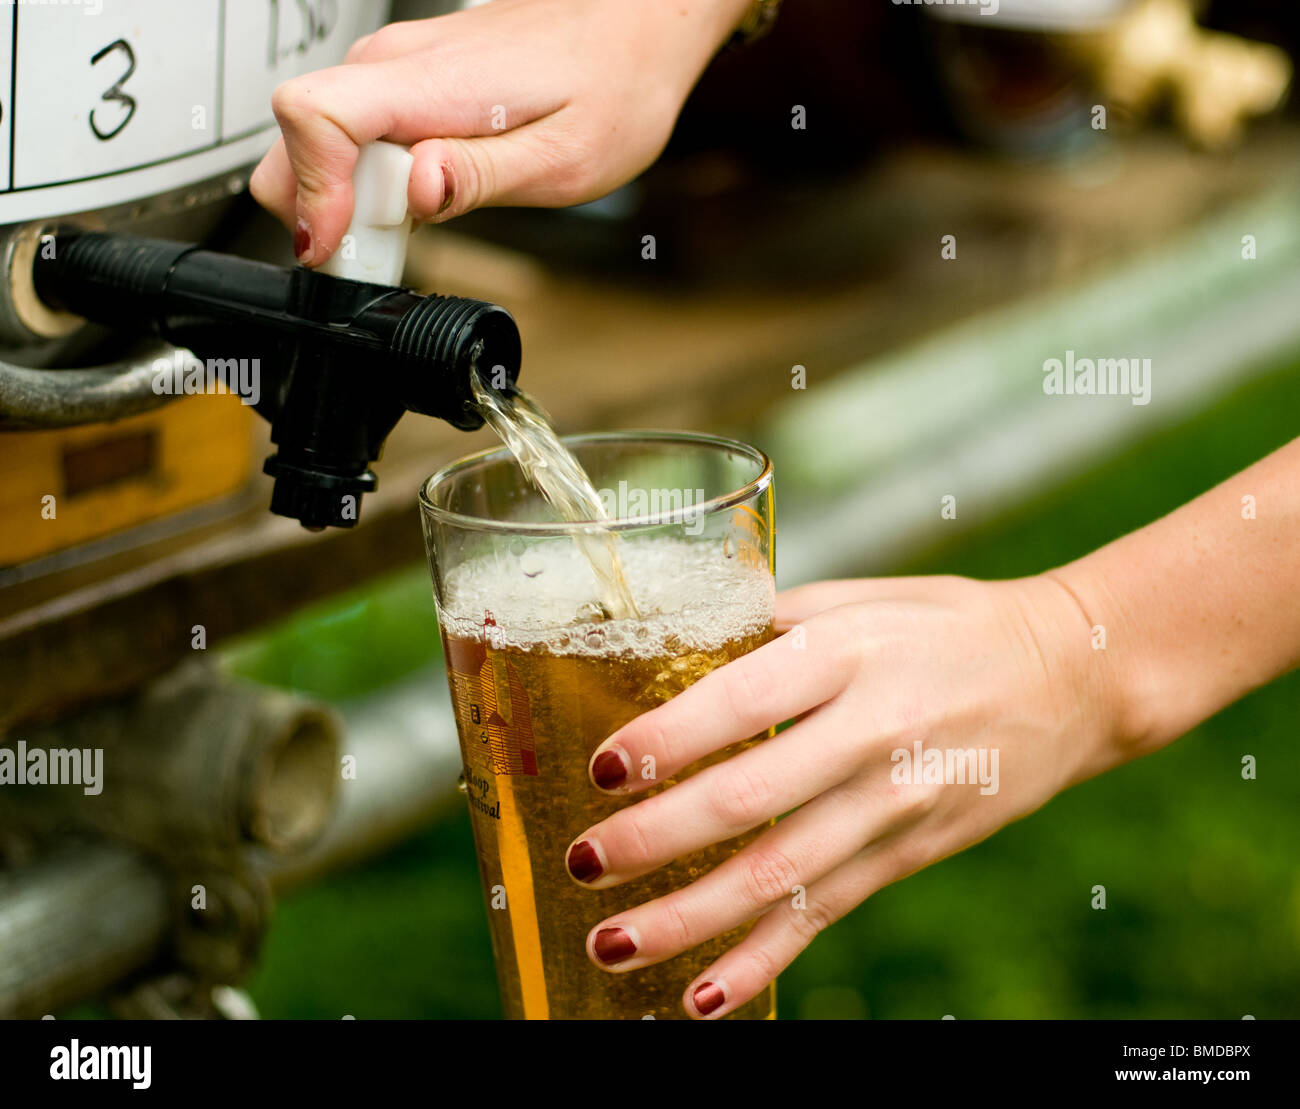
(1197, 608)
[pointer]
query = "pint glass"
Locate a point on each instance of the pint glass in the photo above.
(540, 676)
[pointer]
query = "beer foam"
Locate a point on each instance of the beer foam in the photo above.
(693, 596)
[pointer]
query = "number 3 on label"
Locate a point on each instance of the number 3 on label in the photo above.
(115, 93)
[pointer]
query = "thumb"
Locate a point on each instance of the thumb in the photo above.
(523, 167)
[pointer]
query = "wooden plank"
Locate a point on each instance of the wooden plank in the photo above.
(105, 478)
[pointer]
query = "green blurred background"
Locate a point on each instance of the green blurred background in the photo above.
(1200, 866)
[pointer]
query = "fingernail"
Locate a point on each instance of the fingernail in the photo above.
(609, 771)
(583, 862)
(448, 187)
(707, 997)
(302, 241)
(613, 945)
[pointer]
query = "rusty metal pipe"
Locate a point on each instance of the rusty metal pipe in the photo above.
(197, 766)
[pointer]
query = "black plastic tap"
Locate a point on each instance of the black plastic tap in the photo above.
(339, 360)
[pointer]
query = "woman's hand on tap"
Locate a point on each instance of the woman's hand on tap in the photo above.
(541, 103)
(928, 713)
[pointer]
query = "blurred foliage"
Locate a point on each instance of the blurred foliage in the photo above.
(1200, 867)
(403, 937)
(351, 643)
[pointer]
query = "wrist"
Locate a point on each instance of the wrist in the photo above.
(716, 21)
(680, 38)
(737, 14)
(1111, 665)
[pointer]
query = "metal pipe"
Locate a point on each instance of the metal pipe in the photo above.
(408, 759)
(32, 399)
(196, 766)
(81, 920)
(76, 923)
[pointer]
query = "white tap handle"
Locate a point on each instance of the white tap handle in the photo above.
(374, 248)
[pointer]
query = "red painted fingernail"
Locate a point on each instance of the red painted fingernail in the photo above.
(583, 862)
(448, 187)
(707, 997)
(613, 945)
(609, 771)
(302, 241)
